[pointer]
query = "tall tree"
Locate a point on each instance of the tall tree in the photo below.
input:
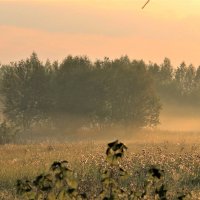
(166, 71)
(180, 78)
(23, 87)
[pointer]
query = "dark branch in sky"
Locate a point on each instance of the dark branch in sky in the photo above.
(145, 4)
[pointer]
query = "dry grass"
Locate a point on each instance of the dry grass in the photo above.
(178, 156)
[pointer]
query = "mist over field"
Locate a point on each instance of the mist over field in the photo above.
(179, 118)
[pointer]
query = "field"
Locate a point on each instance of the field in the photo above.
(178, 154)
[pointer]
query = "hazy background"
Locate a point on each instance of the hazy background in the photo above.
(99, 28)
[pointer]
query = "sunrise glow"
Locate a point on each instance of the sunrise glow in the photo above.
(99, 28)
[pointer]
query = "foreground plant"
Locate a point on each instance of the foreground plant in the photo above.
(114, 172)
(60, 183)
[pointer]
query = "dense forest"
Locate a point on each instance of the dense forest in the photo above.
(102, 93)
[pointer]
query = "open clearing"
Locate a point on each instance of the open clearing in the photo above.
(177, 153)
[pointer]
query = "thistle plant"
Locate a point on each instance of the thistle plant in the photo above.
(114, 172)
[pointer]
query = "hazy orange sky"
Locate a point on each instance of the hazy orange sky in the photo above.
(99, 28)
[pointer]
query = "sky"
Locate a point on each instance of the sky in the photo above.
(101, 28)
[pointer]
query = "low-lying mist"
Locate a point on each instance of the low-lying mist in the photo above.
(180, 118)
(178, 124)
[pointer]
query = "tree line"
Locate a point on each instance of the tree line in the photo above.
(102, 93)
(180, 85)
(106, 92)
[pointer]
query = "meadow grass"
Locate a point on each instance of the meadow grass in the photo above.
(178, 156)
